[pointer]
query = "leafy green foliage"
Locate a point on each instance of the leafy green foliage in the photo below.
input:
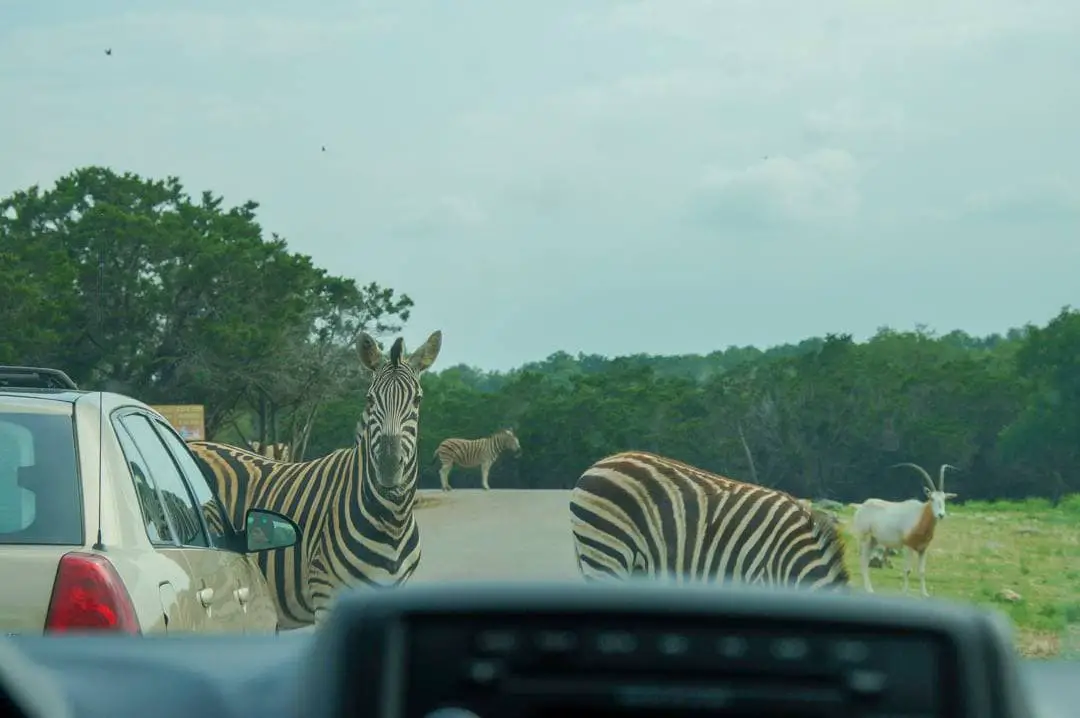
(824, 418)
(131, 284)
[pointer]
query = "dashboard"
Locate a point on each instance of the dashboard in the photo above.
(557, 651)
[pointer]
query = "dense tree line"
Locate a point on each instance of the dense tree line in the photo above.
(823, 418)
(130, 284)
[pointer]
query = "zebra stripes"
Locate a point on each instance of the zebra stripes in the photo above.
(636, 513)
(354, 506)
(469, 453)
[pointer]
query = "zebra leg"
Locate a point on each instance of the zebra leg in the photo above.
(866, 546)
(484, 469)
(444, 476)
(321, 601)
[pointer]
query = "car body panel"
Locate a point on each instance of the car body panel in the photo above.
(27, 574)
(163, 580)
(246, 592)
(211, 600)
(261, 610)
(28, 570)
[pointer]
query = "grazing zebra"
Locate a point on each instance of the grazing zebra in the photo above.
(354, 506)
(470, 453)
(279, 452)
(636, 513)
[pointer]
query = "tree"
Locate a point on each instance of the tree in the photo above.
(129, 284)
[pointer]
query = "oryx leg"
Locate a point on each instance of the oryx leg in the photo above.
(909, 560)
(922, 573)
(866, 546)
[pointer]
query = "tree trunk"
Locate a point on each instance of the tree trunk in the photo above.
(749, 454)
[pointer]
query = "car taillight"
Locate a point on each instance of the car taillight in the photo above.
(89, 596)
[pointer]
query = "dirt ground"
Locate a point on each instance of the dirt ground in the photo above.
(471, 534)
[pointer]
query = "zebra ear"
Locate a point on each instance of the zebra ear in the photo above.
(422, 359)
(371, 355)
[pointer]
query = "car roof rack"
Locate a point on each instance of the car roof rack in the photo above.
(29, 377)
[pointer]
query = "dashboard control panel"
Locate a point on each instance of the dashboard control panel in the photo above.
(536, 666)
(637, 651)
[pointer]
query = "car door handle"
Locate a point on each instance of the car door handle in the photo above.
(206, 596)
(243, 594)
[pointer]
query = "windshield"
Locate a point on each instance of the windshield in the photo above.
(40, 500)
(827, 249)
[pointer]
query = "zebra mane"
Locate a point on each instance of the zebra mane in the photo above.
(396, 351)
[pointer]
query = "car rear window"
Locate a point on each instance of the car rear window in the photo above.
(40, 501)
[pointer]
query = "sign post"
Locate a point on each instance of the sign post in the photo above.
(189, 420)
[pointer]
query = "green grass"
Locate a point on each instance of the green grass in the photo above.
(980, 551)
(983, 549)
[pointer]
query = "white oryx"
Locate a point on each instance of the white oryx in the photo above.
(894, 524)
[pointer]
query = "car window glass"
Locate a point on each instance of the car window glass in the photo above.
(221, 534)
(164, 472)
(40, 497)
(17, 505)
(157, 526)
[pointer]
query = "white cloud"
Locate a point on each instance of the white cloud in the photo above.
(782, 46)
(849, 116)
(832, 28)
(560, 146)
(445, 213)
(822, 186)
(221, 35)
(638, 92)
(1032, 201)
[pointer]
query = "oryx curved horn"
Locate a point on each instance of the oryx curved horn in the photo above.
(921, 470)
(941, 476)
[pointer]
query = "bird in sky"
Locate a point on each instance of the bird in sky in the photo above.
(108, 51)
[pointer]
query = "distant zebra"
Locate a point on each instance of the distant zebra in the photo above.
(637, 514)
(280, 452)
(470, 453)
(354, 506)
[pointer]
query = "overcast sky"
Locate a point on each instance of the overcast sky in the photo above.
(662, 176)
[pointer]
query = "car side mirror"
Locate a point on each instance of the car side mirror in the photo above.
(267, 530)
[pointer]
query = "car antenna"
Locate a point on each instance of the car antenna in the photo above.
(99, 545)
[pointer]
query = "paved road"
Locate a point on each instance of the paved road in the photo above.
(470, 534)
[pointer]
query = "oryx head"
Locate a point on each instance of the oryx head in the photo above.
(936, 495)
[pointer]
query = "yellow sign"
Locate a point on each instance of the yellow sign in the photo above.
(188, 420)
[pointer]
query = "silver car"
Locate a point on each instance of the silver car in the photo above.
(107, 522)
